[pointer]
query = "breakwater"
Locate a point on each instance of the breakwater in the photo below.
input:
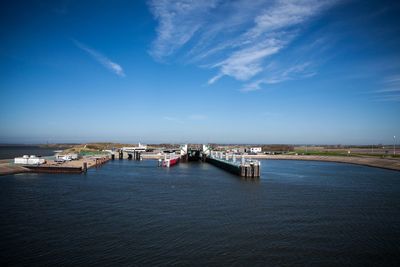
(244, 168)
(51, 166)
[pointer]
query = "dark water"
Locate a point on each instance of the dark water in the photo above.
(12, 151)
(133, 214)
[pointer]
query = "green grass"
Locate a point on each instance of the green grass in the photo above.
(342, 153)
(320, 153)
(91, 153)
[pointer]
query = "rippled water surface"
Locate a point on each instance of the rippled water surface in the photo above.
(133, 213)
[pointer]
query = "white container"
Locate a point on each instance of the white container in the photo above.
(22, 160)
(29, 161)
(35, 161)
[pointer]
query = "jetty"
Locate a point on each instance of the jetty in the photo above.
(80, 165)
(73, 166)
(246, 168)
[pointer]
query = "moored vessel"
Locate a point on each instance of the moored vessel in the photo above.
(170, 159)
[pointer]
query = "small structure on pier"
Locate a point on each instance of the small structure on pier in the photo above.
(132, 152)
(139, 148)
(66, 157)
(29, 160)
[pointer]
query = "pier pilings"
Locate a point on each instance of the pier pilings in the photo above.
(245, 169)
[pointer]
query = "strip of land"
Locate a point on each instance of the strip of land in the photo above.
(385, 163)
(8, 168)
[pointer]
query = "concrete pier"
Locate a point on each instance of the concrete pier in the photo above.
(75, 166)
(251, 169)
(246, 169)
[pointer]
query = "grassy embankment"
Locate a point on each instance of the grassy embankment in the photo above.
(341, 153)
(91, 149)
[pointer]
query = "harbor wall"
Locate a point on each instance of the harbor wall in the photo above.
(246, 170)
(224, 165)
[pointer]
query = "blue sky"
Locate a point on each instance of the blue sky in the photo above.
(262, 71)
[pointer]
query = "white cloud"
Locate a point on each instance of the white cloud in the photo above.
(236, 38)
(394, 79)
(246, 63)
(294, 72)
(283, 14)
(215, 78)
(388, 98)
(112, 66)
(178, 21)
(390, 90)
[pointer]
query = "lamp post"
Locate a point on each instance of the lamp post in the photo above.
(394, 145)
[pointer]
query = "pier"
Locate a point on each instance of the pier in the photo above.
(243, 168)
(74, 166)
(51, 166)
(246, 168)
(127, 153)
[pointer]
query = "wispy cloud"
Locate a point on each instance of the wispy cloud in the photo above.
(390, 90)
(178, 22)
(388, 98)
(392, 80)
(106, 62)
(235, 38)
(294, 72)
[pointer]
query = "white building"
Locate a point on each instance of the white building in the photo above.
(29, 160)
(66, 157)
(139, 148)
(255, 149)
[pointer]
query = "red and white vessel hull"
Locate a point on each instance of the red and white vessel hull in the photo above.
(170, 161)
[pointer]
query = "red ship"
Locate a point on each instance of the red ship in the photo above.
(170, 160)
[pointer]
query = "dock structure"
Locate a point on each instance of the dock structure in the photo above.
(55, 169)
(134, 152)
(243, 168)
(135, 155)
(184, 153)
(190, 153)
(76, 166)
(246, 168)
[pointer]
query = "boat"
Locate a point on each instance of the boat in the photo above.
(170, 160)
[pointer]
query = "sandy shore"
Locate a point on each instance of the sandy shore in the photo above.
(385, 163)
(7, 168)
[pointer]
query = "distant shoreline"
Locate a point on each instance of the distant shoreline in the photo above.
(383, 163)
